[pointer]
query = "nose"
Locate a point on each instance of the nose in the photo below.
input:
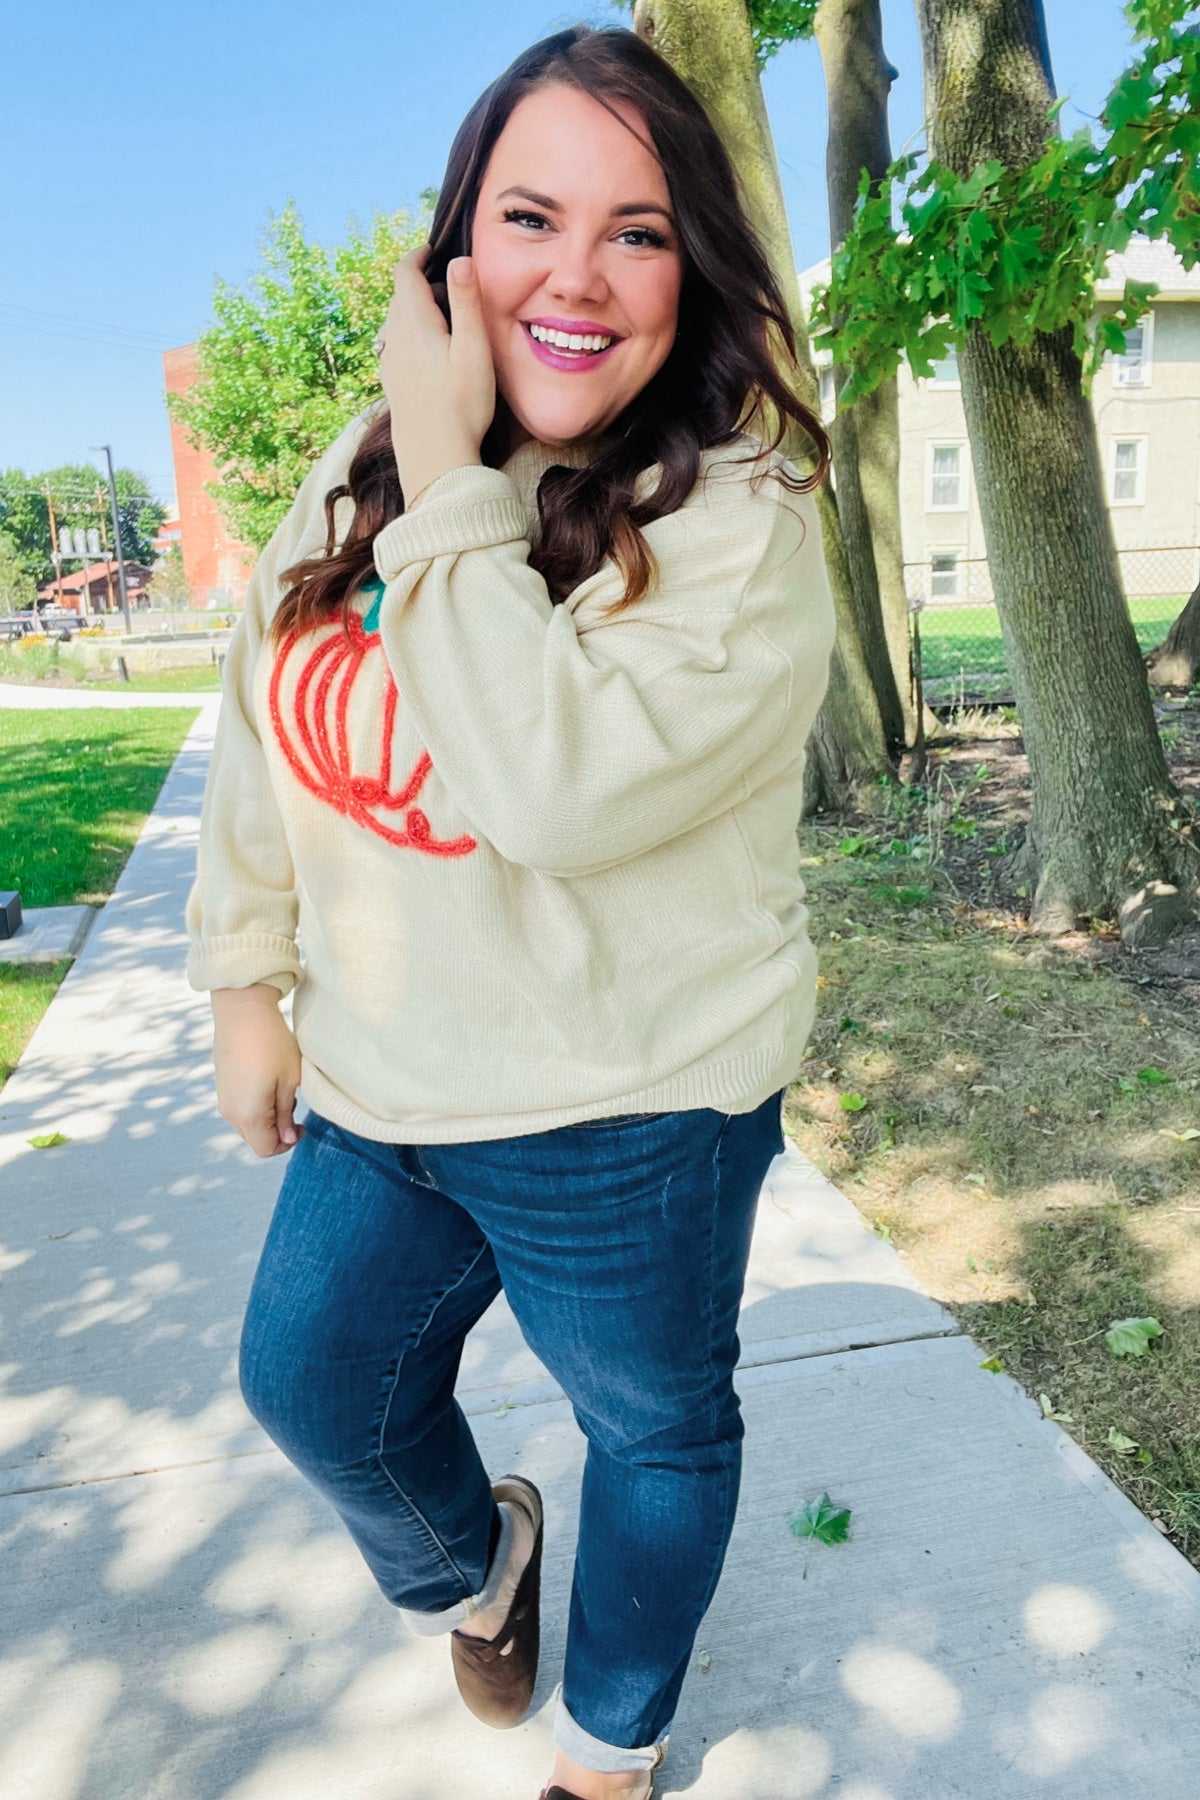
(576, 274)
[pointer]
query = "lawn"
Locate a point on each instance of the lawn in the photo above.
(965, 640)
(77, 787)
(1020, 1120)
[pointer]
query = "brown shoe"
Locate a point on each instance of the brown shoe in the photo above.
(498, 1688)
(560, 1793)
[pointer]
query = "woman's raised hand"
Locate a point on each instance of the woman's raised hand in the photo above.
(440, 381)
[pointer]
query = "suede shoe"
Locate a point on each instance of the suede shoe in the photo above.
(498, 1688)
(560, 1793)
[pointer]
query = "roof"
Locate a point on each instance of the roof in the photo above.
(135, 575)
(1149, 259)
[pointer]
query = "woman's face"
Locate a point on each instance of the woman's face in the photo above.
(573, 233)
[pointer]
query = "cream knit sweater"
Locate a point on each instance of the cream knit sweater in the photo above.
(543, 866)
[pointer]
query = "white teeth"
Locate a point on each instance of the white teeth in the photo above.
(562, 340)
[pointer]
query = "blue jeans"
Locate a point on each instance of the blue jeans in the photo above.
(621, 1245)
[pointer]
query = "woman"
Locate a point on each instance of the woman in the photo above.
(513, 734)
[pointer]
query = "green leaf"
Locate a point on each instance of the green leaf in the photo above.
(1132, 1337)
(1153, 1077)
(1116, 1440)
(47, 1140)
(1181, 1137)
(853, 1103)
(823, 1520)
(993, 1365)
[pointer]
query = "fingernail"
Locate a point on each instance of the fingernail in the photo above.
(460, 269)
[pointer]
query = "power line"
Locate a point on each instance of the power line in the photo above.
(77, 496)
(64, 323)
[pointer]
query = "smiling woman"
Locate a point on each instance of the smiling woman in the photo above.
(513, 739)
(642, 238)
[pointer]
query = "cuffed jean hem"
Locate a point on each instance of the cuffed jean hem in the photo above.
(593, 1753)
(427, 1624)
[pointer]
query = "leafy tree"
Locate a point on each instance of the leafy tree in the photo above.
(24, 522)
(1008, 226)
(17, 586)
(1016, 243)
(168, 584)
(80, 495)
(288, 360)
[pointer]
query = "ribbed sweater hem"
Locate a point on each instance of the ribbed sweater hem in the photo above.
(736, 1085)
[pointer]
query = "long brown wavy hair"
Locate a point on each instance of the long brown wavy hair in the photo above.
(718, 379)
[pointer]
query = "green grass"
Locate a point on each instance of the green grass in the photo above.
(26, 990)
(967, 640)
(76, 789)
(1014, 1118)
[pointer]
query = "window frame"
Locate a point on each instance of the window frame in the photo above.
(962, 445)
(955, 551)
(1145, 367)
(1142, 439)
(938, 381)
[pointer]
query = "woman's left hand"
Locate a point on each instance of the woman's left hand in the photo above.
(439, 380)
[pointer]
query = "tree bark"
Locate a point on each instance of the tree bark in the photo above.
(866, 437)
(1108, 836)
(709, 43)
(1176, 662)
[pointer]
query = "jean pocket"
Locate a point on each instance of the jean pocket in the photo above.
(614, 1119)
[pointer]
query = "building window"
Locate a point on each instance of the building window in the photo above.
(1127, 471)
(1132, 367)
(947, 482)
(945, 372)
(943, 574)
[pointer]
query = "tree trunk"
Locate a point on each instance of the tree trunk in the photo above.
(866, 438)
(1176, 662)
(1109, 836)
(709, 43)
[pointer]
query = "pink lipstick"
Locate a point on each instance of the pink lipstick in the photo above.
(569, 361)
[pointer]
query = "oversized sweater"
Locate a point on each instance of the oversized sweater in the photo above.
(543, 865)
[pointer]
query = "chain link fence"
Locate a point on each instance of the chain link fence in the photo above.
(956, 629)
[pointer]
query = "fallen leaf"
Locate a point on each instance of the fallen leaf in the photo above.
(993, 1365)
(1181, 1137)
(1131, 1337)
(48, 1139)
(822, 1519)
(1116, 1440)
(704, 1662)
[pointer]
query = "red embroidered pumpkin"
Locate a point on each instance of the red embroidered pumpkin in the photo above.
(311, 727)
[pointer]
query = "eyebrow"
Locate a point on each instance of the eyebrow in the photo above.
(618, 212)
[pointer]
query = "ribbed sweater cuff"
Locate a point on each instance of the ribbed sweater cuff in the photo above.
(464, 509)
(240, 959)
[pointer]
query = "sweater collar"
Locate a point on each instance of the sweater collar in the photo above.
(530, 460)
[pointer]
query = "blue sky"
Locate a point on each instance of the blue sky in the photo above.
(144, 147)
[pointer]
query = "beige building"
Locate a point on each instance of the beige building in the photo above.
(1147, 407)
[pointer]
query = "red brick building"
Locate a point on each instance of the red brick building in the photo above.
(216, 565)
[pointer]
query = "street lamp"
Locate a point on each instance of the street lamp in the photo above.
(116, 523)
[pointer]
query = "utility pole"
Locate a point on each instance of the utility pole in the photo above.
(56, 559)
(116, 519)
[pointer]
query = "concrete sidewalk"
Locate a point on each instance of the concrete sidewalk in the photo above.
(186, 1620)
